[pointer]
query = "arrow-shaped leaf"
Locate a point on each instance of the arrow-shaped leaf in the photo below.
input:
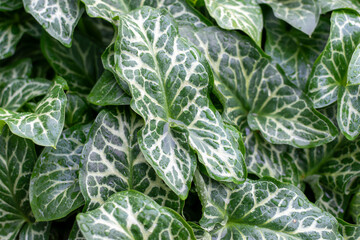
(58, 17)
(18, 69)
(54, 187)
(239, 15)
(17, 159)
(45, 125)
(77, 110)
(38, 231)
(349, 231)
(169, 81)
(132, 215)
(253, 91)
(330, 5)
(113, 162)
(264, 209)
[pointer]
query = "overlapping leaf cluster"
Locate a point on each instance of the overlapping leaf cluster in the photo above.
(119, 118)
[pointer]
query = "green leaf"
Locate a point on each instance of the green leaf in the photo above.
(169, 81)
(77, 110)
(355, 208)
(253, 91)
(108, 92)
(35, 231)
(110, 10)
(327, 199)
(244, 15)
(16, 92)
(349, 231)
(293, 50)
(265, 159)
(79, 65)
(113, 162)
(132, 215)
(45, 125)
(301, 14)
(264, 209)
(199, 232)
(329, 72)
(58, 17)
(75, 233)
(19, 69)
(17, 159)
(54, 186)
(10, 5)
(330, 5)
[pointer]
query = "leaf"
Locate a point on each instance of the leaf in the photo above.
(16, 92)
(59, 17)
(349, 231)
(108, 92)
(265, 159)
(330, 5)
(244, 15)
(75, 233)
(132, 215)
(10, 5)
(330, 69)
(18, 69)
(355, 208)
(35, 231)
(253, 91)
(79, 65)
(301, 14)
(17, 159)
(200, 234)
(327, 199)
(169, 80)
(77, 110)
(110, 10)
(45, 125)
(113, 162)
(293, 50)
(54, 186)
(264, 209)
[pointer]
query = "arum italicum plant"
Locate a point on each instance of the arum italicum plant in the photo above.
(175, 119)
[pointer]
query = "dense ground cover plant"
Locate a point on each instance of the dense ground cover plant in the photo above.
(174, 119)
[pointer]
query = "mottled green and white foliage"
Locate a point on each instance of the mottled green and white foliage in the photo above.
(113, 162)
(17, 159)
(54, 187)
(169, 80)
(355, 208)
(263, 209)
(35, 231)
(19, 69)
(77, 111)
(254, 91)
(58, 17)
(10, 5)
(132, 215)
(330, 5)
(45, 125)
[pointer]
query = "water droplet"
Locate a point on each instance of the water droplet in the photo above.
(300, 202)
(84, 227)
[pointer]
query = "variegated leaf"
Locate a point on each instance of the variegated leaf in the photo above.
(58, 17)
(327, 199)
(301, 14)
(15, 93)
(75, 233)
(54, 186)
(108, 92)
(35, 231)
(244, 15)
(293, 50)
(330, 5)
(113, 162)
(132, 215)
(17, 159)
(77, 110)
(253, 91)
(110, 10)
(79, 65)
(355, 208)
(45, 125)
(349, 231)
(19, 69)
(199, 232)
(265, 159)
(329, 71)
(10, 5)
(263, 209)
(169, 80)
